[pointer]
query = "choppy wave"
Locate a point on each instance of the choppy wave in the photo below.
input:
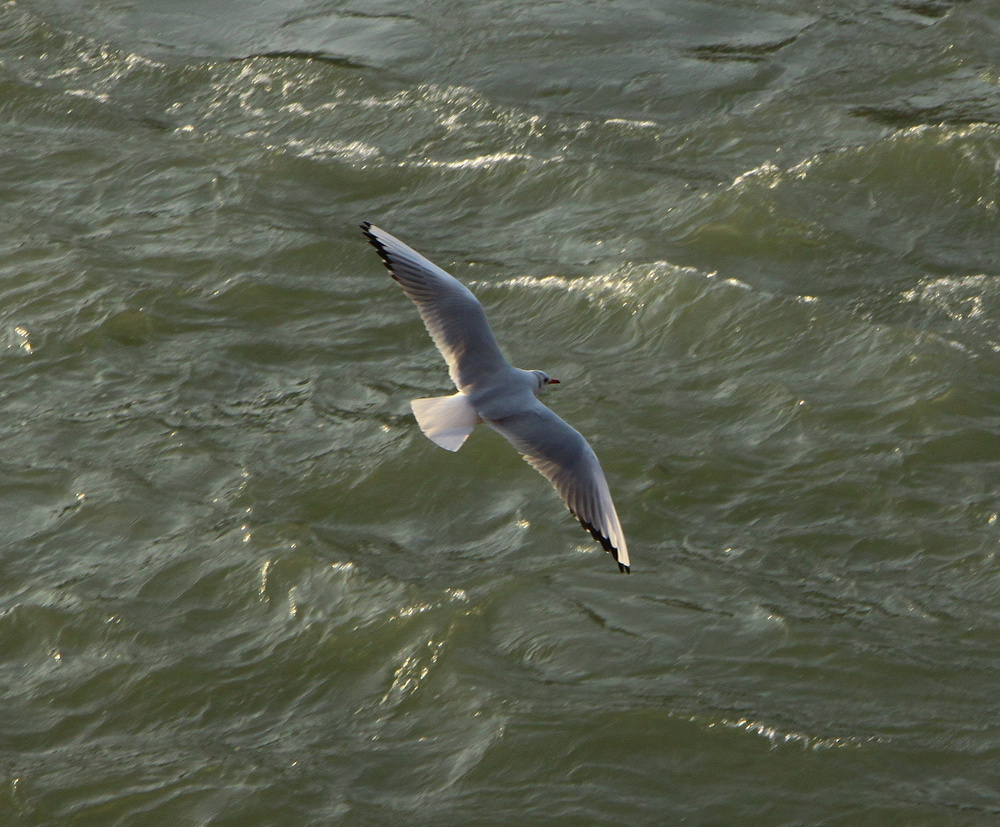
(238, 584)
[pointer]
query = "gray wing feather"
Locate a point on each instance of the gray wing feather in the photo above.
(452, 314)
(563, 456)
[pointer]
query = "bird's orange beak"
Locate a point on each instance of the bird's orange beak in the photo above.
(553, 381)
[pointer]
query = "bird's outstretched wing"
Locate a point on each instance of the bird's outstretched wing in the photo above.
(452, 314)
(565, 458)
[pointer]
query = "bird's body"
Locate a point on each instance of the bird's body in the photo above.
(507, 392)
(493, 392)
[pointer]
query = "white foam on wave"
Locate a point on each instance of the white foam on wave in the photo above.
(778, 736)
(89, 94)
(458, 108)
(479, 162)
(631, 282)
(631, 124)
(960, 298)
(945, 132)
(592, 286)
(971, 303)
(625, 284)
(770, 174)
(352, 152)
(412, 671)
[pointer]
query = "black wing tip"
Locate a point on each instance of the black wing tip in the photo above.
(606, 544)
(376, 242)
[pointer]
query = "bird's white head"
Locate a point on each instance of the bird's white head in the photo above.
(543, 379)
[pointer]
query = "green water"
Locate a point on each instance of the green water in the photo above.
(757, 243)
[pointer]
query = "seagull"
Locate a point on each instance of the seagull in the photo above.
(493, 392)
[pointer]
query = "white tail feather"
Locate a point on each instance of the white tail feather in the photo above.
(446, 420)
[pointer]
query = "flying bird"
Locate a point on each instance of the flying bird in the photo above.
(497, 394)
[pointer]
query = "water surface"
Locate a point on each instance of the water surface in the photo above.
(757, 243)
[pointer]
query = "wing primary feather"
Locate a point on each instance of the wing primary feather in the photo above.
(451, 313)
(563, 456)
(376, 242)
